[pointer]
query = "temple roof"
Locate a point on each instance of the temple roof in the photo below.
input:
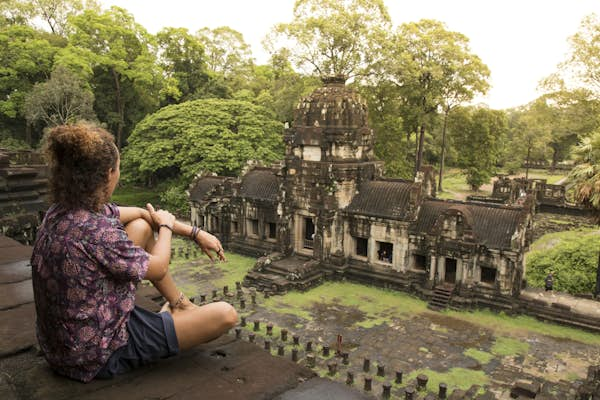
(260, 184)
(493, 225)
(332, 105)
(201, 186)
(385, 199)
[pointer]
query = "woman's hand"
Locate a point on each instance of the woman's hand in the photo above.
(161, 217)
(208, 243)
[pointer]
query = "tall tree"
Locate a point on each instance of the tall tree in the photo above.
(182, 58)
(432, 68)
(584, 59)
(53, 14)
(477, 132)
(117, 55)
(278, 87)
(334, 37)
(227, 55)
(467, 76)
(26, 57)
(63, 99)
(585, 177)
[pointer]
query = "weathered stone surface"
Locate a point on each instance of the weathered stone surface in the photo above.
(17, 330)
(224, 369)
(13, 251)
(15, 294)
(322, 389)
(15, 272)
(525, 389)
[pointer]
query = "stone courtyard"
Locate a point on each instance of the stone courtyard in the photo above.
(481, 353)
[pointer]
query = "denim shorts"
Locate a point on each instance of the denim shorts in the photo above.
(151, 337)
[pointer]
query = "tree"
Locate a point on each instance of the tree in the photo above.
(585, 178)
(467, 76)
(63, 99)
(432, 68)
(183, 60)
(334, 37)
(213, 135)
(584, 60)
(227, 55)
(54, 13)
(116, 55)
(385, 117)
(477, 132)
(26, 57)
(278, 87)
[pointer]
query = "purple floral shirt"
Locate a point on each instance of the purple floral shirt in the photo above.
(84, 271)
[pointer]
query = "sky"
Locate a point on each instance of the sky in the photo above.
(521, 41)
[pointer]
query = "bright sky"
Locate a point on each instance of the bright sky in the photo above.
(521, 41)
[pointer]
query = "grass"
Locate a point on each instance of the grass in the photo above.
(233, 270)
(482, 357)
(380, 305)
(456, 187)
(504, 346)
(523, 325)
(135, 196)
(454, 378)
(551, 178)
(377, 304)
(550, 240)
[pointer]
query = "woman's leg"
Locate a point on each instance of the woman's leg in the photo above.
(193, 324)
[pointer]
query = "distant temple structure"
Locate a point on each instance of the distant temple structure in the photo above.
(327, 211)
(23, 193)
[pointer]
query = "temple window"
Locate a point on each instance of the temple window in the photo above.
(234, 227)
(385, 252)
(419, 262)
(488, 275)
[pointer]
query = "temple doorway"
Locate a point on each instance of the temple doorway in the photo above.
(309, 233)
(450, 274)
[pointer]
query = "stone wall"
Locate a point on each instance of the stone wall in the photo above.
(23, 194)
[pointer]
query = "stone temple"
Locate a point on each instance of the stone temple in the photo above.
(327, 211)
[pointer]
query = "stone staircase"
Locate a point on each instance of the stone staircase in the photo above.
(441, 297)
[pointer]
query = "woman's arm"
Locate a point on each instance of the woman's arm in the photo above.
(205, 240)
(128, 214)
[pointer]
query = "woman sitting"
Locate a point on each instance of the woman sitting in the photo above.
(88, 257)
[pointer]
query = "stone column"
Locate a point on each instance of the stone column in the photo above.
(372, 253)
(432, 267)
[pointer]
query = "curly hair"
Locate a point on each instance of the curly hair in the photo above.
(80, 157)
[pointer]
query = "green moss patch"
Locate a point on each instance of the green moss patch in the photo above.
(455, 378)
(504, 346)
(482, 357)
(377, 305)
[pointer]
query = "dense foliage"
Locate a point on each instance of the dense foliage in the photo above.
(415, 77)
(212, 135)
(571, 256)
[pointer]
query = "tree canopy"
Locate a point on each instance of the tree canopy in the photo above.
(334, 37)
(63, 99)
(212, 135)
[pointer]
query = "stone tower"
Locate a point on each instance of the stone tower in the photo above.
(329, 152)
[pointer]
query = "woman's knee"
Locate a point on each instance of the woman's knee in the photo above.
(139, 231)
(228, 315)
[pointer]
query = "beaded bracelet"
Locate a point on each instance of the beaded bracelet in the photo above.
(179, 300)
(195, 231)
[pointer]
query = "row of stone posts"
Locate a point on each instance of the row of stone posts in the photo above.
(308, 353)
